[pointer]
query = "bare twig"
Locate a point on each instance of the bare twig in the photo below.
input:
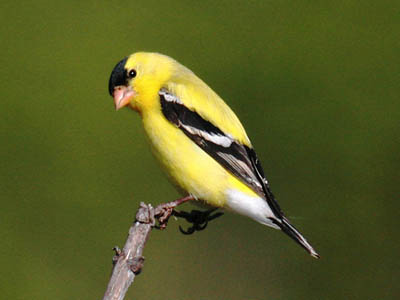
(129, 262)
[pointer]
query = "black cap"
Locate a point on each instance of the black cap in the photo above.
(118, 76)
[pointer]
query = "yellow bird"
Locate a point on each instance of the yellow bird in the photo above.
(197, 138)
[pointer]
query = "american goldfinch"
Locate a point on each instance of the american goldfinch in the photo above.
(197, 138)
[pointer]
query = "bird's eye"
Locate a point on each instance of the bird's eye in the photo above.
(132, 73)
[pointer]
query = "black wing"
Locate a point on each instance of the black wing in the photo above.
(238, 159)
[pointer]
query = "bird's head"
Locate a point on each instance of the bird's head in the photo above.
(137, 79)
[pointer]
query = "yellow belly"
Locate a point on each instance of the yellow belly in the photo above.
(191, 168)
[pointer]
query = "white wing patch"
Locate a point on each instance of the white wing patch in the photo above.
(170, 97)
(222, 140)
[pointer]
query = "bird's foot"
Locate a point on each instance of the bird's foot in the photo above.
(198, 218)
(165, 210)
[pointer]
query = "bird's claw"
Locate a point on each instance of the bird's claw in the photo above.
(198, 218)
(163, 212)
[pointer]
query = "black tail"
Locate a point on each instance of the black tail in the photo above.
(289, 229)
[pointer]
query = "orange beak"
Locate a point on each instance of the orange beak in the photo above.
(123, 95)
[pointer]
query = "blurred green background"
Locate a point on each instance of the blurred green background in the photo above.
(316, 84)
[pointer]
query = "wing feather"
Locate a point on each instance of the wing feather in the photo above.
(237, 158)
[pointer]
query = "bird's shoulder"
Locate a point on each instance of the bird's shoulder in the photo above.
(197, 96)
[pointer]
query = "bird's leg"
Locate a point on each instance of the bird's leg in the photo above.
(198, 218)
(165, 210)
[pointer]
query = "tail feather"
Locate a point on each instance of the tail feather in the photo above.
(291, 231)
